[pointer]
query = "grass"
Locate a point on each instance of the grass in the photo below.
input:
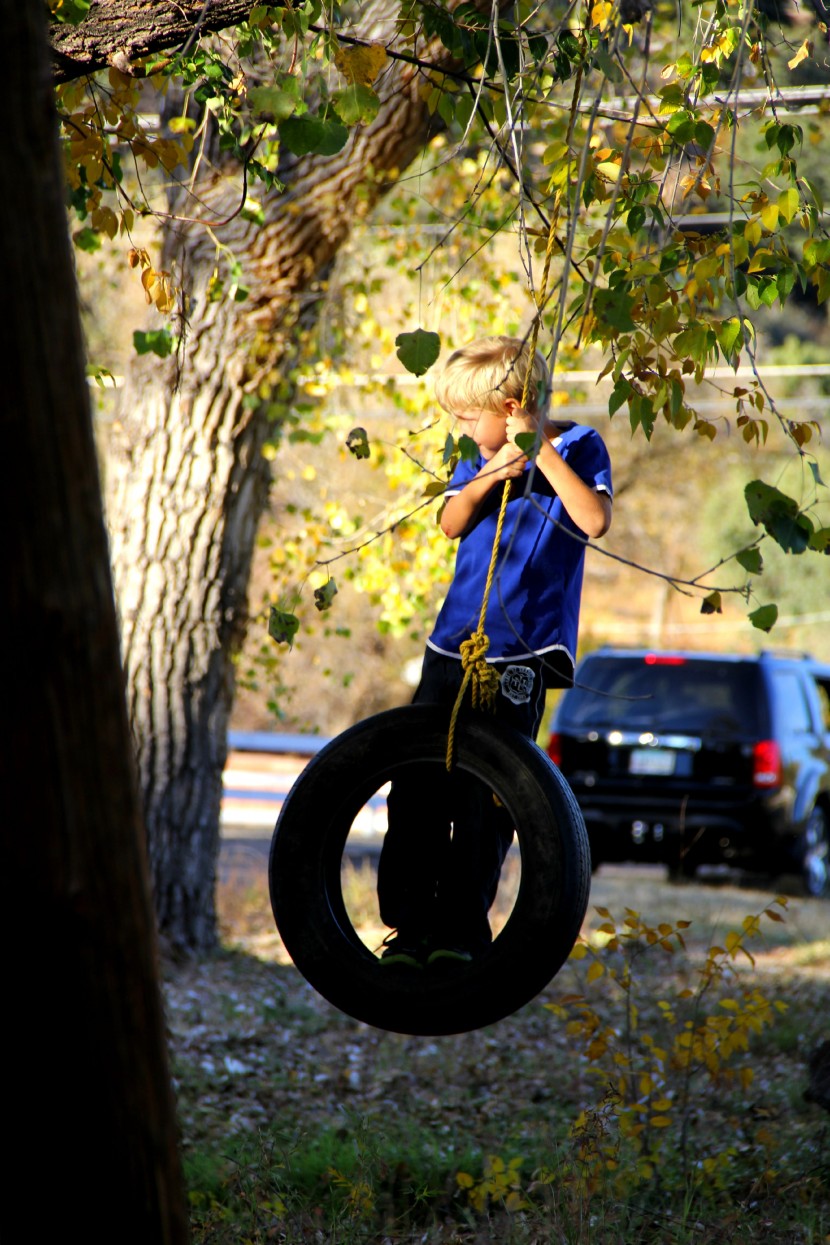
(300, 1124)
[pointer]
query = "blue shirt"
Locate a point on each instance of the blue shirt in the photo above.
(534, 600)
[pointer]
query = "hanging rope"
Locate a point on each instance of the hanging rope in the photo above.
(477, 671)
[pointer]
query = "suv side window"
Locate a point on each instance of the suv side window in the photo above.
(792, 712)
(823, 690)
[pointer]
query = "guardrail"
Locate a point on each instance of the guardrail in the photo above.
(262, 767)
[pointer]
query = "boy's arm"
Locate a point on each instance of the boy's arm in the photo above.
(590, 511)
(461, 509)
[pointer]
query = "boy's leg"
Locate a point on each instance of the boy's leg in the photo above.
(481, 836)
(418, 829)
(483, 830)
(416, 840)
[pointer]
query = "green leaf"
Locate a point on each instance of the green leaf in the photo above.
(313, 136)
(704, 134)
(621, 393)
(467, 449)
(356, 103)
(437, 21)
(324, 596)
(750, 560)
(449, 449)
(728, 333)
(784, 283)
(357, 443)
(253, 210)
(820, 540)
(779, 515)
(712, 604)
(636, 219)
(282, 626)
(88, 240)
(275, 103)
(641, 414)
(418, 351)
(765, 617)
(157, 341)
(69, 12)
(613, 307)
(681, 126)
(528, 443)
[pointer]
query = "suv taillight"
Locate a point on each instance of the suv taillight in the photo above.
(555, 748)
(766, 764)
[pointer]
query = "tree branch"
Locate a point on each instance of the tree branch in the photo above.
(115, 33)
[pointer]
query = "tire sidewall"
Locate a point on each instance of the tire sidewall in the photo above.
(307, 848)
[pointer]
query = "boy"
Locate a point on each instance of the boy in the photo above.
(447, 839)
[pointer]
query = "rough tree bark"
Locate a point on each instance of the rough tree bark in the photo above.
(115, 32)
(190, 482)
(88, 1088)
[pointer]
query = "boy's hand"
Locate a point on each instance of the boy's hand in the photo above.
(519, 420)
(507, 463)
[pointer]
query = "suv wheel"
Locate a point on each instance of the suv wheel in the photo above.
(815, 861)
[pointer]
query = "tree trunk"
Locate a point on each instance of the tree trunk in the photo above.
(88, 1085)
(190, 481)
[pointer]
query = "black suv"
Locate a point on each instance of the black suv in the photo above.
(694, 759)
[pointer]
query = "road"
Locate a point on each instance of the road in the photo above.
(255, 785)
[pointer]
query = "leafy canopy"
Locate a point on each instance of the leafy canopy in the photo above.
(653, 151)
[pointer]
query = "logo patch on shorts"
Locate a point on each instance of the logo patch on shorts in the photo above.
(517, 684)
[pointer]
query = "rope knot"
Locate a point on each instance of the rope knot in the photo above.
(484, 678)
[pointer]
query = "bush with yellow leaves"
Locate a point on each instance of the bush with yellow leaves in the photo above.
(655, 1073)
(656, 1060)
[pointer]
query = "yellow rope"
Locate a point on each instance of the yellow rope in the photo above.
(484, 678)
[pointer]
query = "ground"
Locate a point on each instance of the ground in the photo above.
(261, 1060)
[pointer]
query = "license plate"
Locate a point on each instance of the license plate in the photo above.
(651, 761)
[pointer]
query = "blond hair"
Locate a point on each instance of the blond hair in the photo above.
(488, 371)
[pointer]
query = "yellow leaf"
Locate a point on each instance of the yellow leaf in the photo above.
(601, 13)
(361, 65)
(788, 203)
(803, 52)
(752, 231)
(609, 169)
(660, 1121)
(579, 952)
(769, 216)
(595, 971)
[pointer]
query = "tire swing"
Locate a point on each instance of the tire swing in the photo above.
(310, 837)
(311, 832)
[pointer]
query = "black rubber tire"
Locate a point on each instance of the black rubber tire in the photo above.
(307, 848)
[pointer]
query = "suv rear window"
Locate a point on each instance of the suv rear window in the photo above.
(681, 694)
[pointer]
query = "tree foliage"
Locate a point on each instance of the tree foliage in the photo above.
(614, 141)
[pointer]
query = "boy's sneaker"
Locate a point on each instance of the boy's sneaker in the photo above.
(398, 949)
(448, 955)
